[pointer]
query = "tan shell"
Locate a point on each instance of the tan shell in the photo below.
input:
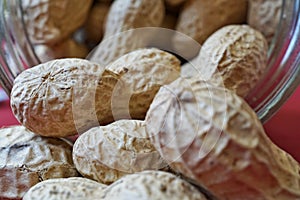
(120, 36)
(200, 18)
(212, 136)
(163, 38)
(66, 189)
(94, 25)
(26, 159)
(143, 71)
(152, 185)
(235, 56)
(63, 97)
(50, 21)
(107, 153)
(264, 15)
(66, 49)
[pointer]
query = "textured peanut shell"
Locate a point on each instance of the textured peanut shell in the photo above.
(63, 97)
(66, 189)
(94, 25)
(264, 15)
(234, 56)
(107, 153)
(50, 21)
(198, 19)
(152, 185)
(164, 35)
(66, 49)
(120, 37)
(213, 137)
(143, 71)
(26, 159)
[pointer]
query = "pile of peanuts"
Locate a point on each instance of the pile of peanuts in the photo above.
(130, 120)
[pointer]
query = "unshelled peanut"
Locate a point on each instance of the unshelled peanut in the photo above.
(63, 97)
(200, 18)
(51, 21)
(120, 36)
(264, 15)
(66, 49)
(66, 189)
(235, 56)
(94, 25)
(27, 159)
(212, 136)
(142, 73)
(152, 185)
(107, 153)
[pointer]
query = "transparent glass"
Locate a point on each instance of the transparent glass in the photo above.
(280, 81)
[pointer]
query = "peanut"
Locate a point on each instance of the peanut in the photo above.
(27, 159)
(143, 71)
(66, 49)
(152, 185)
(163, 38)
(94, 25)
(200, 18)
(51, 21)
(107, 153)
(264, 15)
(66, 189)
(120, 37)
(235, 56)
(63, 97)
(212, 136)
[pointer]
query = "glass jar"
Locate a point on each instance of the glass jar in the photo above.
(280, 81)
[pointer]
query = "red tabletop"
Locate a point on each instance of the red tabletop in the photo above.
(282, 128)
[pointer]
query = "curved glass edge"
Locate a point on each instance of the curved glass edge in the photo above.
(16, 52)
(288, 78)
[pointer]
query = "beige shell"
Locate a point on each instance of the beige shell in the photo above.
(63, 97)
(143, 71)
(212, 136)
(66, 49)
(121, 36)
(94, 25)
(50, 21)
(234, 56)
(152, 185)
(164, 35)
(107, 153)
(26, 159)
(66, 189)
(264, 15)
(200, 18)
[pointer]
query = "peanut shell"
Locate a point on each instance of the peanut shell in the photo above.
(234, 56)
(66, 189)
(213, 137)
(152, 185)
(143, 71)
(63, 97)
(264, 15)
(200, 18)
(94, 25)
(27, 158)
(51, 21)
(66, 49)
(120, 36)
(107, 153)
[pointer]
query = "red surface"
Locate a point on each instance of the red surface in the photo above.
(283, 128)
